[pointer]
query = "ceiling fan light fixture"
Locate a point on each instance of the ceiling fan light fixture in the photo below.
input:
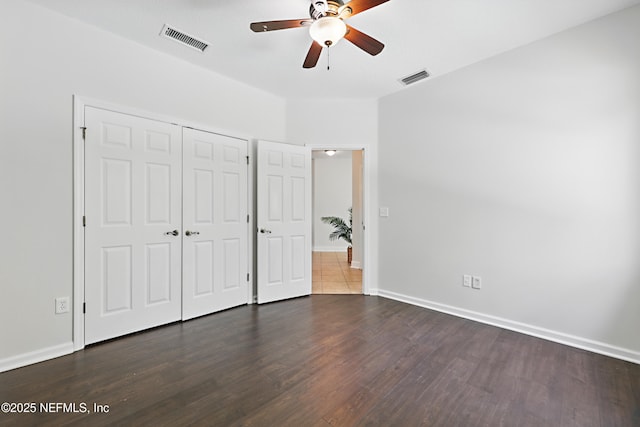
(328, 31)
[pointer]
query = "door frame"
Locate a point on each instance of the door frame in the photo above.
(78, 278)
(366, 186)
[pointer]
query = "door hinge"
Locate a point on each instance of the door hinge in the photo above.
(247, 159)
(247, 277)
(84, 307)
(84, 132)
(84, 221)
(247, 218)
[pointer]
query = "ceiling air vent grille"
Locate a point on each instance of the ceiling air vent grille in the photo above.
(413, 78)
(183, 38)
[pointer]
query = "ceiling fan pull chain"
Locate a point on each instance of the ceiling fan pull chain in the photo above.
(328, 59)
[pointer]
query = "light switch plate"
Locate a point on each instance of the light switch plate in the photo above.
(384, 211)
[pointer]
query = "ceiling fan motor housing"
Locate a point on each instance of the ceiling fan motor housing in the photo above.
(320, 8)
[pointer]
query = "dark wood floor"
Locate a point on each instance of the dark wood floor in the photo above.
(330, 360)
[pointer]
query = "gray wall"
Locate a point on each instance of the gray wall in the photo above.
(523, 169)
(331, 197)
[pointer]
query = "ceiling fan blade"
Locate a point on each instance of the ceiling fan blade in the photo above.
(313, 55)
(356, 6)
(363, 41)
(259, 27)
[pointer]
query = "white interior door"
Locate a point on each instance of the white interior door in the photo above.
(133, 222)
(284, 221)
(215, 240)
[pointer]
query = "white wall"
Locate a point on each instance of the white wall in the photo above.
(46, 58)
(318, 122)
(331, 197)
(523, 169)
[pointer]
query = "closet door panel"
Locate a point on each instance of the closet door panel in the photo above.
(132, 206)
(215, 258)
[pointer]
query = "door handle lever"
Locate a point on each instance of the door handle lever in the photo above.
(172, 233)
(191, 233)
(265, 231)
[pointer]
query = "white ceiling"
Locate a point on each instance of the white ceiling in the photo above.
(439, 35)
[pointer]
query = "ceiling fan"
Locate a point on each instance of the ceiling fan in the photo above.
(326, 26)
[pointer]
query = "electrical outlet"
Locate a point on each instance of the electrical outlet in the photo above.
(466, 281)
(476, 282)
(62, 305)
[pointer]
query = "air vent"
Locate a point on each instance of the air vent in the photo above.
(183, 38)
(413, 78)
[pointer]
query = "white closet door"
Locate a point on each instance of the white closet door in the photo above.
(215, 258)
(132, 207)
(284, 221)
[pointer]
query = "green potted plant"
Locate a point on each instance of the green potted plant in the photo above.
(341, 230)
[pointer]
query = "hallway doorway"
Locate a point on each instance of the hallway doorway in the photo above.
(337, 192)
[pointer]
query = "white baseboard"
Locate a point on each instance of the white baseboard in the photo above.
(36, 356)
(329, 249)
(547, 334)
(356, 264)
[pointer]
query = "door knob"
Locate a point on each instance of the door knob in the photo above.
(191, 233)
(172, 233)
(265, 231)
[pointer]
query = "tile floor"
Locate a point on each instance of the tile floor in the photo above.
(332, 274)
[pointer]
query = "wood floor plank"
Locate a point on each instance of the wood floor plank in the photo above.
(330, 360)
